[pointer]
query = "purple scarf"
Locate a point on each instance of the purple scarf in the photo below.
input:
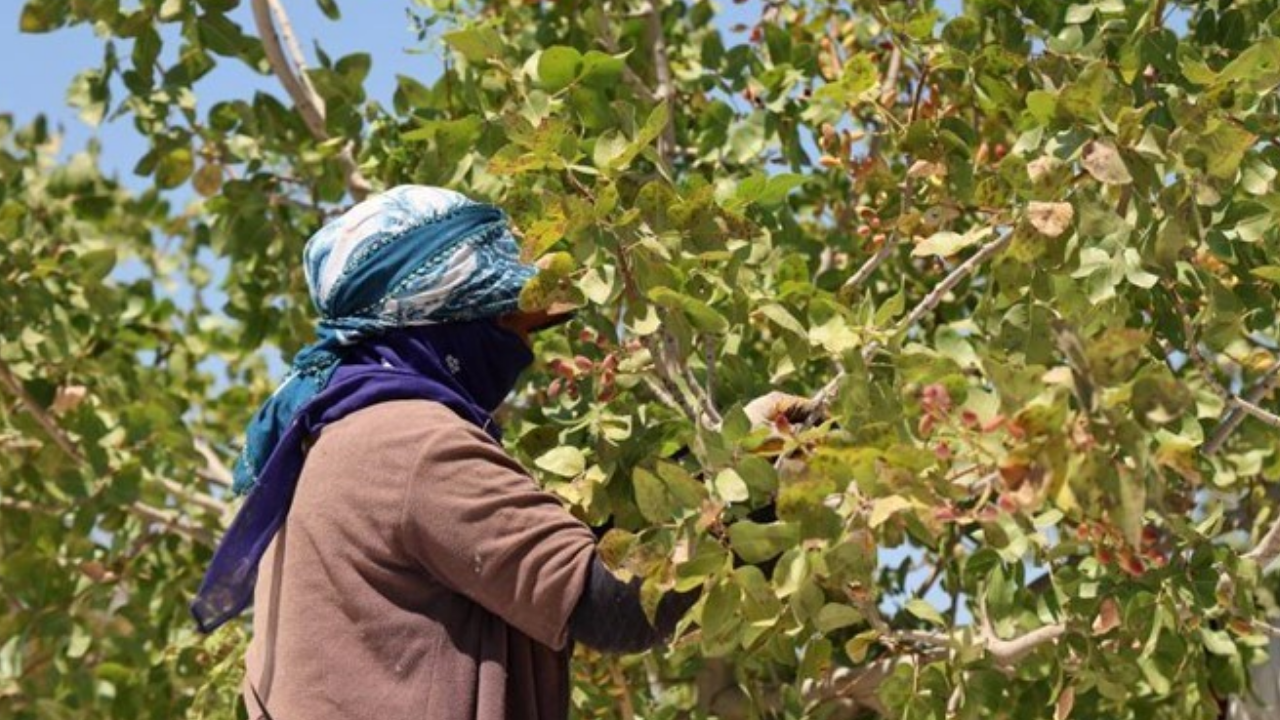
(469, 367)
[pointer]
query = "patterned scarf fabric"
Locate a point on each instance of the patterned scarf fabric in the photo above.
(407, 284)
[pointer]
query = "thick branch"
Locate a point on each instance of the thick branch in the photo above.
(272, 23)
(1250, 409)
(664, 92)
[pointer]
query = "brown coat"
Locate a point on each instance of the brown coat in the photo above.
(421, 574)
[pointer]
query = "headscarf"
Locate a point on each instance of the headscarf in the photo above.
(407, 285)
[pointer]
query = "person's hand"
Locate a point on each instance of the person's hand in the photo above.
(765, 411)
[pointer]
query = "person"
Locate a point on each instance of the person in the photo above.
(400, 563)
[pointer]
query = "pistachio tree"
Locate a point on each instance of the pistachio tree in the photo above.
(1018, 255)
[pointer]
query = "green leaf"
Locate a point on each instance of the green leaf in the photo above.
(477, 44)
(784, 319)
(924, 610)
(1224, 146)
(330, 9)
(39, 16)
(1218, 642)
(1270, 273)
(96, 265)
(669, 494)
(558, 67)
(602, 71)
(834, 616)
(756, 543)
(702, 315)
(1257, 68)
(174, 167)
(730, 486)
(565, 461)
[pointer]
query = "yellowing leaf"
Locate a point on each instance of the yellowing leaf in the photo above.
(543, 233)
(1103, 162)
(1108, 617)
(1050, 218)
(565, 461)
(885, 508)
(947, 243)
(1066, 701)
(731, 487)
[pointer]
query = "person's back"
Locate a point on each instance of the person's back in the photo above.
(420, 574)
(402, 565)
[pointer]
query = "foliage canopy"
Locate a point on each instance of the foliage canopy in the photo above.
(1025, 256)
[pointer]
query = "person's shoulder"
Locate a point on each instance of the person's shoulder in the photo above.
(401, 421)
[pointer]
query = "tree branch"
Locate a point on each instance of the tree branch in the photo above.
(664, 92)
(889, 87)
(171, 522)
(68, 447)
(42, 417)
(182, 492)
(1193, 344)
(215, 470)
(953, 279)
(273, 24)
(611, 46)
(1235, 414)
(1250, 409)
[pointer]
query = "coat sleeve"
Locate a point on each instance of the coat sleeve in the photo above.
(475, 521)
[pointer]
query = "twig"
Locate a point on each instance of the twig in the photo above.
(1193, 344)
(919, 92)
(272, 23)
(949, 283)
(625, 709)
(889, 86)
(215, 470)
(171, 522)
(709, 359)
(182, 492)
(1268, 548)
(1266, 629)
(872, 263)
(68, 447)
(1235, 414)
(890, 244)
(295, 50)
(39, 414)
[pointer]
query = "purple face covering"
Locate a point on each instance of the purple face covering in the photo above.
(469, 367)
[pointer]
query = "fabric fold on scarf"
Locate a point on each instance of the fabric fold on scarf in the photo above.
(468, 367)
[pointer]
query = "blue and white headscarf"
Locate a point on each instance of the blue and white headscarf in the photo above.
(407, 285)
(413, 255)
